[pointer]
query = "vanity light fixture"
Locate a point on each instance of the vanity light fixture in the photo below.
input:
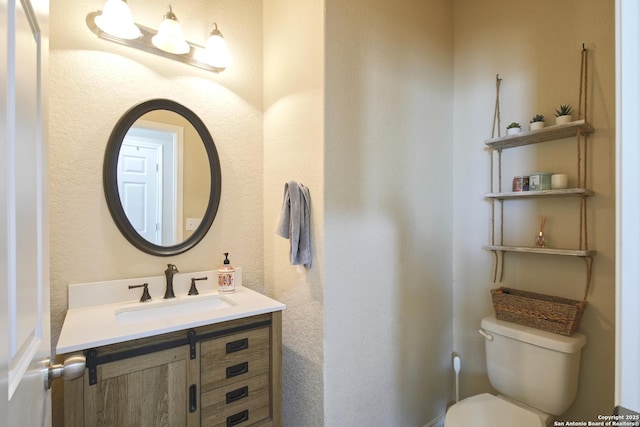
(115, 23)
(216, 50)
(170, 37)
(117, 20)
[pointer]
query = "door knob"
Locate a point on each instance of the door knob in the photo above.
(72, 368)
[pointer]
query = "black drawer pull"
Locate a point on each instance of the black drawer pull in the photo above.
(238, 418)
(238, 394)
(193, 399)
(239, 369)
(234, 346)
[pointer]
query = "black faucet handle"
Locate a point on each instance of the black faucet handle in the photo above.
(194, 290)
(145, 292)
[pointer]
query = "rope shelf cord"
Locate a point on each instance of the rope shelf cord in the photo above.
(496, 124)
(582, 179)
(581, 140)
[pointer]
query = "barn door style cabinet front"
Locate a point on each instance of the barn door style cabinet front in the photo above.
(227, 374)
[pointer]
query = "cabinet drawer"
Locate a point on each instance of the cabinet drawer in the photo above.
(234, 358)
(240, 404)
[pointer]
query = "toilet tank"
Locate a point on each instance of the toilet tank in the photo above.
(537, 368)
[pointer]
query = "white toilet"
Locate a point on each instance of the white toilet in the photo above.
(535, 372)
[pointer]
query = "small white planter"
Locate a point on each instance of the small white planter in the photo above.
(536, 125)
(563, 120)
(513, 131)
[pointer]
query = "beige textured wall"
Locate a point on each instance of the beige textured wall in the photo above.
(93, 82)
(388, 155)
(293, 150)
(537, 53)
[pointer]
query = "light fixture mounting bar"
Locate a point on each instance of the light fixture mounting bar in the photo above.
(144, 43)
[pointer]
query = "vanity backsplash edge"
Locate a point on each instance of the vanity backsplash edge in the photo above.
(117, 291)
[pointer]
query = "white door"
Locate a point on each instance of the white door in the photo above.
(140, 187)
(170, 137)
(24, 254)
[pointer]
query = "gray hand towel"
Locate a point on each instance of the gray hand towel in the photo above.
(294, 222)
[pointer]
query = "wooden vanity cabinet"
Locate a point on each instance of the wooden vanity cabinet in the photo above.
(234, 380)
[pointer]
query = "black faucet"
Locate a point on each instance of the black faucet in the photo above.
(169, 272)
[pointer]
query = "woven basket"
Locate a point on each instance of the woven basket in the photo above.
(548, 313)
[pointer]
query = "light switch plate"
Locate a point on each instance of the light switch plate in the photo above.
(193, 223)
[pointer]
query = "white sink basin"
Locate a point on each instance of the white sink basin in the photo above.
(156, 310)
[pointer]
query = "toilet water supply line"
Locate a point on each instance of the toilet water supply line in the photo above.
(456, 368)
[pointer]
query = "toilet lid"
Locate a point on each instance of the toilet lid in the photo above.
(487, 410)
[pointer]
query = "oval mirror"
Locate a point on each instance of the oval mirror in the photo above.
(162, 177)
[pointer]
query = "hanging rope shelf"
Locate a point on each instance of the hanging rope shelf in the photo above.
(581, 129)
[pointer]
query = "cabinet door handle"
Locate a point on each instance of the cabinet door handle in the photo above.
(238, 418)
(239, 369)
(238, 345)
(238, 394)
(193, 398)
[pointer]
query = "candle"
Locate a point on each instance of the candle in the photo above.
(559, 180)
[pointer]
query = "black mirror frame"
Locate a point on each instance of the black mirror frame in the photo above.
(110, 177)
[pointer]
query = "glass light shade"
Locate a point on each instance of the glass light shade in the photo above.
(216, 51)
(170, 37)
(116, 20)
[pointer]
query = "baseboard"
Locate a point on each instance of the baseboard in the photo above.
(436, 422)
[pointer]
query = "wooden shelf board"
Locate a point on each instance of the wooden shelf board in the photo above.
(548, 133)
(566, 192)
(547, 251)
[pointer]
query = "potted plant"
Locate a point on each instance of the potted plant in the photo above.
(563, 114)
(513, 128)
(537, 122)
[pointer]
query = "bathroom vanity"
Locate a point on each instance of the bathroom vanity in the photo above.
(208, 359)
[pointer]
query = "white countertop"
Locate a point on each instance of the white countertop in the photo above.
(89, 325)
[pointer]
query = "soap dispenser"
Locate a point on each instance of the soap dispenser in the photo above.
(226, 277)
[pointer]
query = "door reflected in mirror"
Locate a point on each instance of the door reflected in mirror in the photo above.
(162, 177)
